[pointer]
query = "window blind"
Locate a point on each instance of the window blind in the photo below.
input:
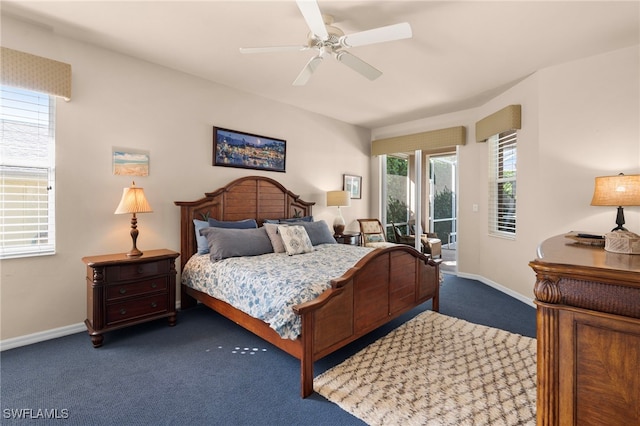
(27, 207)
(502, 184)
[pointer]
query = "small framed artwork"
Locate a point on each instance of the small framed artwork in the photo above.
(248, 151)
(130, 162)
(353, 185)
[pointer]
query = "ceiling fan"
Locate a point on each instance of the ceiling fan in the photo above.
(331, 41)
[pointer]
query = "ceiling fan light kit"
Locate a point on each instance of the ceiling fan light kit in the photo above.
(331, 41)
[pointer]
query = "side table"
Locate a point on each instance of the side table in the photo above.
(352, 238)
(123, 291)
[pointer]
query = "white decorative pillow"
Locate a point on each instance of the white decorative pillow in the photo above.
(276, 239)
(295, 239)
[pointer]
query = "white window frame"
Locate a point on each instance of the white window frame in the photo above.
(502, 184)
(27, 173)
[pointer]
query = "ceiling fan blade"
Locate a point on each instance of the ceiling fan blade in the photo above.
(358, 65)
(311, 13)
(377, 35)
(271, 49)
(307, 71)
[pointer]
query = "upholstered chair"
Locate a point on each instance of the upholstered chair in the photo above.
(373, 233)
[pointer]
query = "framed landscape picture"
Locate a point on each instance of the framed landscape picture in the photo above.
(232, 148)
(353, 185)
(130, 162)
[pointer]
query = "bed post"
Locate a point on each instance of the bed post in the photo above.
(306, 360)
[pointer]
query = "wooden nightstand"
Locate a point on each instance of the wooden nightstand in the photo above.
(352, 238)
(123, 291)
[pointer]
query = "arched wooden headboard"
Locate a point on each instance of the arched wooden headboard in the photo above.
(251, 197)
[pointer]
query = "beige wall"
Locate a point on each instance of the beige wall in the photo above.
(124, 102)
(580, 120)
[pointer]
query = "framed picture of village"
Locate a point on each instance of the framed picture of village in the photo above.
(232, 148)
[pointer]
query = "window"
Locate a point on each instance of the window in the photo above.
(27, 160)
(502, 181)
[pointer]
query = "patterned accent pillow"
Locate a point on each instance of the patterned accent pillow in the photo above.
(375, 238)
(295, 239)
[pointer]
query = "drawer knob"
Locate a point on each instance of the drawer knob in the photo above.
(154, 285)
(140, 269)
(123, 311)
(123, 290)
(154, 305)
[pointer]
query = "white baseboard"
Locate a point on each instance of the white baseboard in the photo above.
(42, 336)
(505, 290)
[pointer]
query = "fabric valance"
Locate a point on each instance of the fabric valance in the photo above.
(507, 118)
(431, 141)
(31, 72)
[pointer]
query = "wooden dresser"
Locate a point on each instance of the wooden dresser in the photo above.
(588, 329)
(123, 291)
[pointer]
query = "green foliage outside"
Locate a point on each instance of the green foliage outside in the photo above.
(397, 210)
(397, 166)
(443, 209)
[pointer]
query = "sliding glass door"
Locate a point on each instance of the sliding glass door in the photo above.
(419, 193)
(397, 201)
(443, 200)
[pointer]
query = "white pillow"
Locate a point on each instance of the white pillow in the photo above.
(295, 239)
(276, 239)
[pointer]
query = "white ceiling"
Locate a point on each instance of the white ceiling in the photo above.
(461, 53)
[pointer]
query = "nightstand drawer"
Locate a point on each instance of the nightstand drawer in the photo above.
(115, 292)
(146, 306)
(137, 270)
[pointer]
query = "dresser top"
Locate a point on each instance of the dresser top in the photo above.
(560, 250)
(118, 258)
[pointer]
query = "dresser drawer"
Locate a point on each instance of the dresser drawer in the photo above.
(138, 308)
(135, 271)
(119, 291)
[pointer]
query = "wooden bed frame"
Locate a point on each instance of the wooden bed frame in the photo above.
(381, 286)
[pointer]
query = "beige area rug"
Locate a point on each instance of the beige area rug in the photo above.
(438, 370)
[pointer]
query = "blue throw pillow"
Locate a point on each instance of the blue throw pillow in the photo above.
(233, 224)
(290, 220)
(230, 242)
(297, 219)
(319, 232)
(201, 240)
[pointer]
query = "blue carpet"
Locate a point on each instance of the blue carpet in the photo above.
(205, 370)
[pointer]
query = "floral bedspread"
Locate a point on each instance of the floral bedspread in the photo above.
(268, 286)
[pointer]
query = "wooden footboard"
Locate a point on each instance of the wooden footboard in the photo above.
(380, 287)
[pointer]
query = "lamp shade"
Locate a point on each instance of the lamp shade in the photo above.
(133, 201)
(338, 198)
(620, 190)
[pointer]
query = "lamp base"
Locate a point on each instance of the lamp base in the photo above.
(338, 229)
(619, 220)
(134, 252)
